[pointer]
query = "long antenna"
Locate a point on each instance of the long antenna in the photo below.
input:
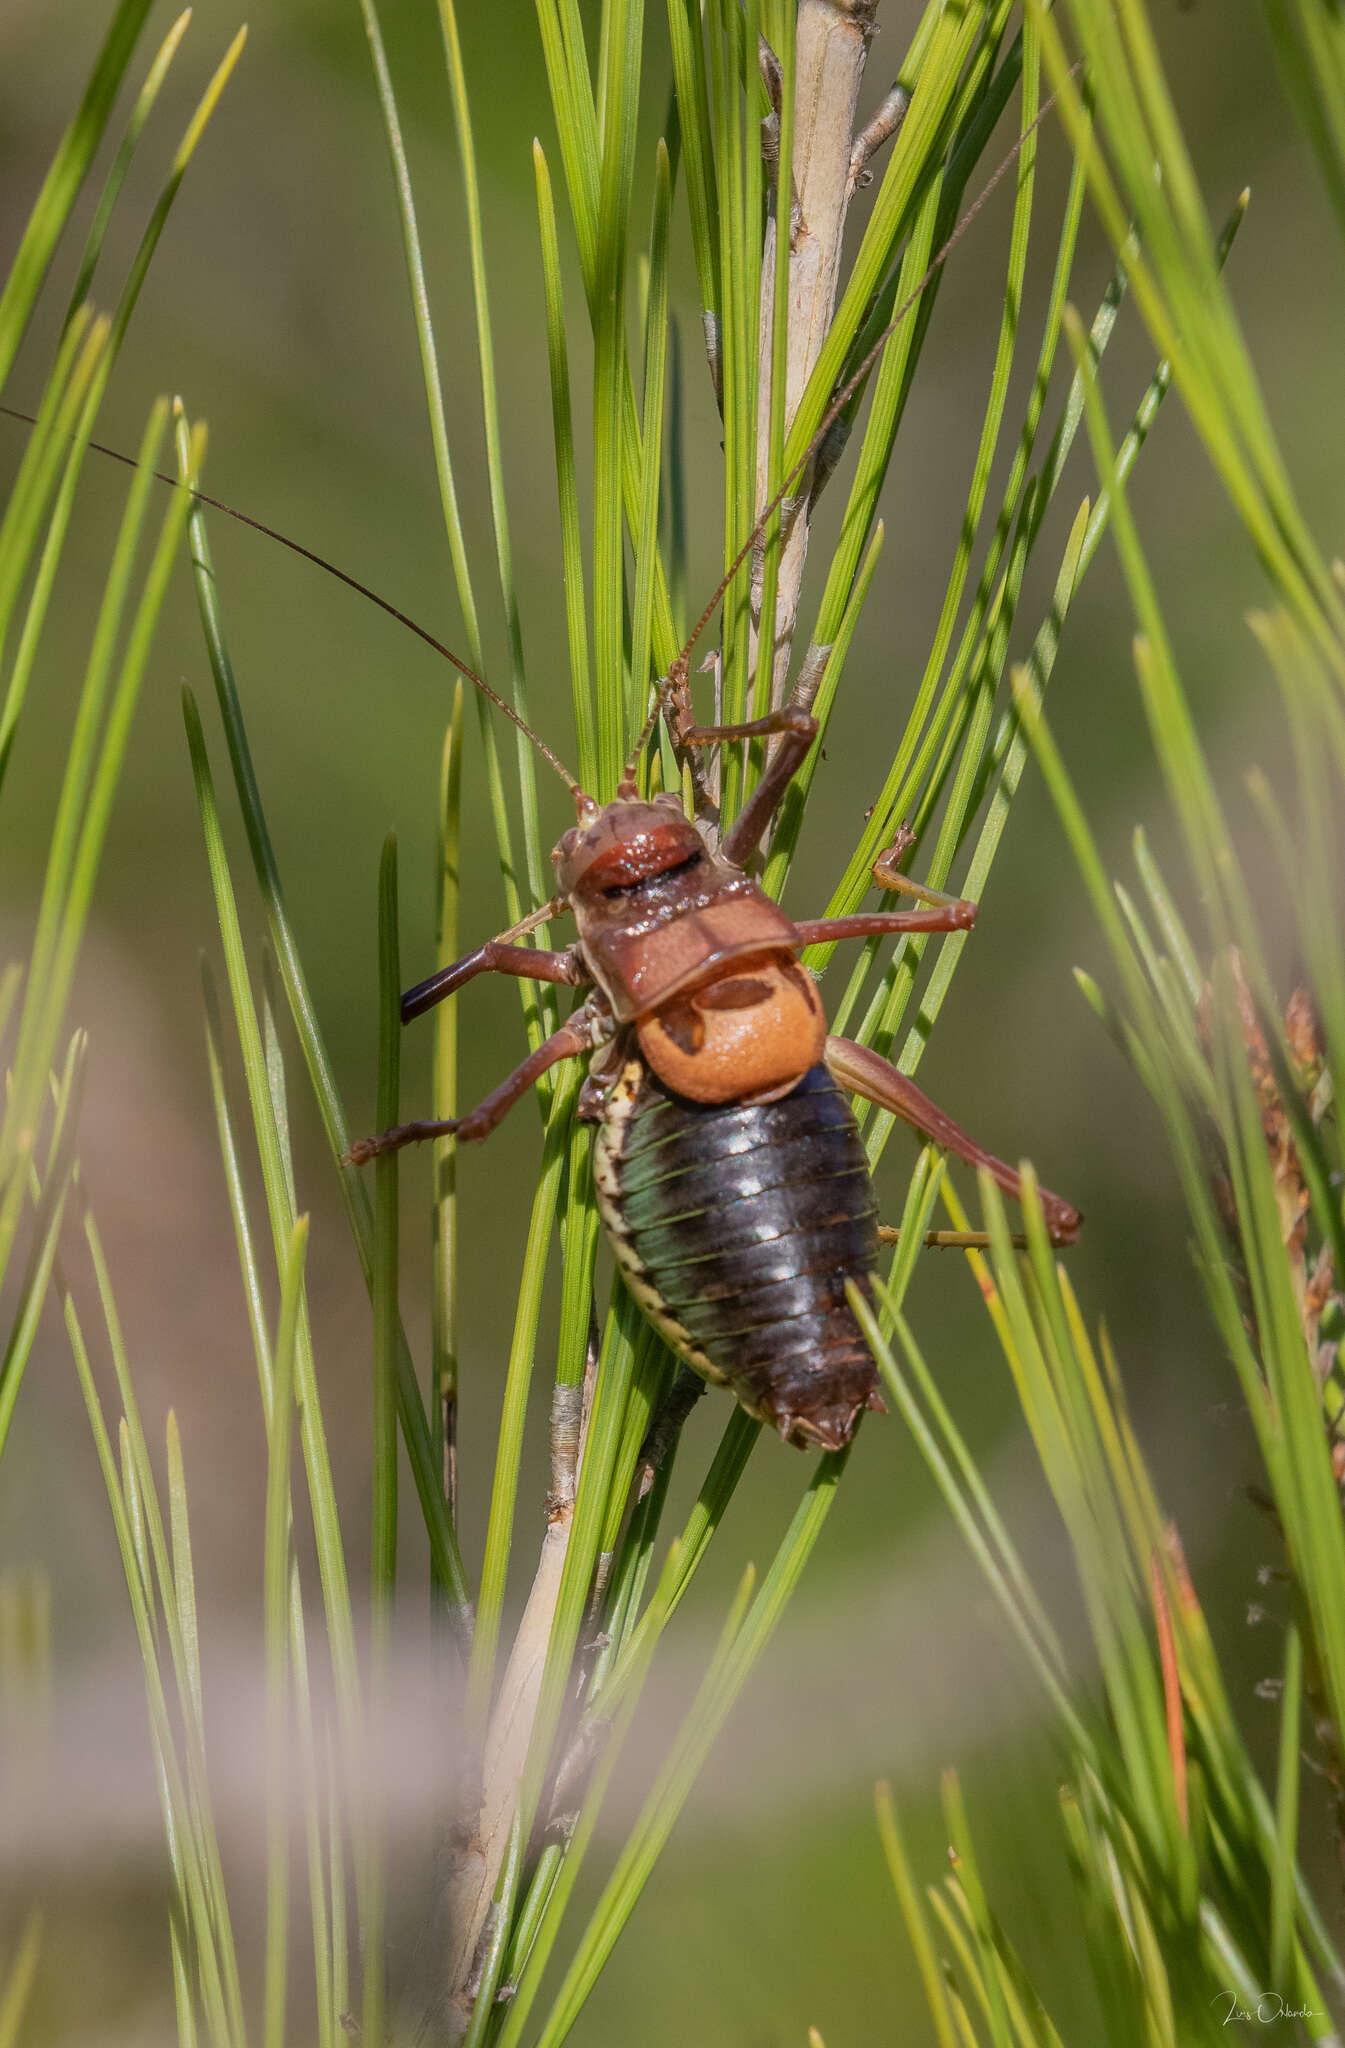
(678, 670)
(342, 576)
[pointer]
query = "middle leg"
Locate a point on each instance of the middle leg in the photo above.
(574, 1037)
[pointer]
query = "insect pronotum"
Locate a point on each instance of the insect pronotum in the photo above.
(728, 1169)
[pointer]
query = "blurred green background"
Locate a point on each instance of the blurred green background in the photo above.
(277, 307)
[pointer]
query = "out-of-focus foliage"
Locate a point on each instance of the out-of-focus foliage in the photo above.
(1191, 1904)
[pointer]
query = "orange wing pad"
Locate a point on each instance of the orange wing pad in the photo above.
(747, 1036)
(641, 969)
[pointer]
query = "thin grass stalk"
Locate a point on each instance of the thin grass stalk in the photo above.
(277, 1575)
(1313, 1521)
(383, 1563)
(490, 411)
(1207, 354)
(619, 90)
(200, 1915)
(443, 464)
(924, 133)
(773, 386)
(254, 1297)
(327, 2015)
(61, 186)
(911, 763)
(444, 1096)
(572, 553)
(110, 337)
(20, 1974)
(1307, 43)
(981, 1529)
(917, 1928)
(383, 1572)
(1011, 745)
(65, 410)
(163, 205)
(655, 364)
(442, 1535)
(303, 1717)
(88, 790)
(30, 1064)
(573, 104)
(50, 1198)
(121, 164)
(277, 1180)
(166, 1576)
(1282, 1902)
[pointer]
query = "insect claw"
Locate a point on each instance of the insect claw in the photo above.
(1063, 1220)
(365, 1149)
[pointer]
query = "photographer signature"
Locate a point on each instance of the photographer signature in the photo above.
(1269, 2008)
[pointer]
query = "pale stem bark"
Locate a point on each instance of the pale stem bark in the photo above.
(831, 45)
(478, 1860)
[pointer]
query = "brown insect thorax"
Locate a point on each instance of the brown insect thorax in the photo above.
(689, 951)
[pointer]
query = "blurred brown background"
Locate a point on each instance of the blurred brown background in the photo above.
(277, 307)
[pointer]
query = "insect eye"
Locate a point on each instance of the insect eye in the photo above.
(681, 867)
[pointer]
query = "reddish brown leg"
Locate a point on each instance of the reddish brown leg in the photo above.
(869, 1074)
(886, 871)
(797, 731)
(945, 913)
(953, 916)
(525, 962)
(574, 1037)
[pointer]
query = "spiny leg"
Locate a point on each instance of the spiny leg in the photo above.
(953, 916)
(574, 1037)
(867, 1073)
(944, 913)
(796, 730)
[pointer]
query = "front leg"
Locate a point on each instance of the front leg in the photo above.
(525, 963)
(868, 1074)
(580, 1034)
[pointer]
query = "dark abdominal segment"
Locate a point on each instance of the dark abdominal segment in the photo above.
(737, 1229)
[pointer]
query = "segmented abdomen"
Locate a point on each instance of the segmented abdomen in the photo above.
(737, 1229)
